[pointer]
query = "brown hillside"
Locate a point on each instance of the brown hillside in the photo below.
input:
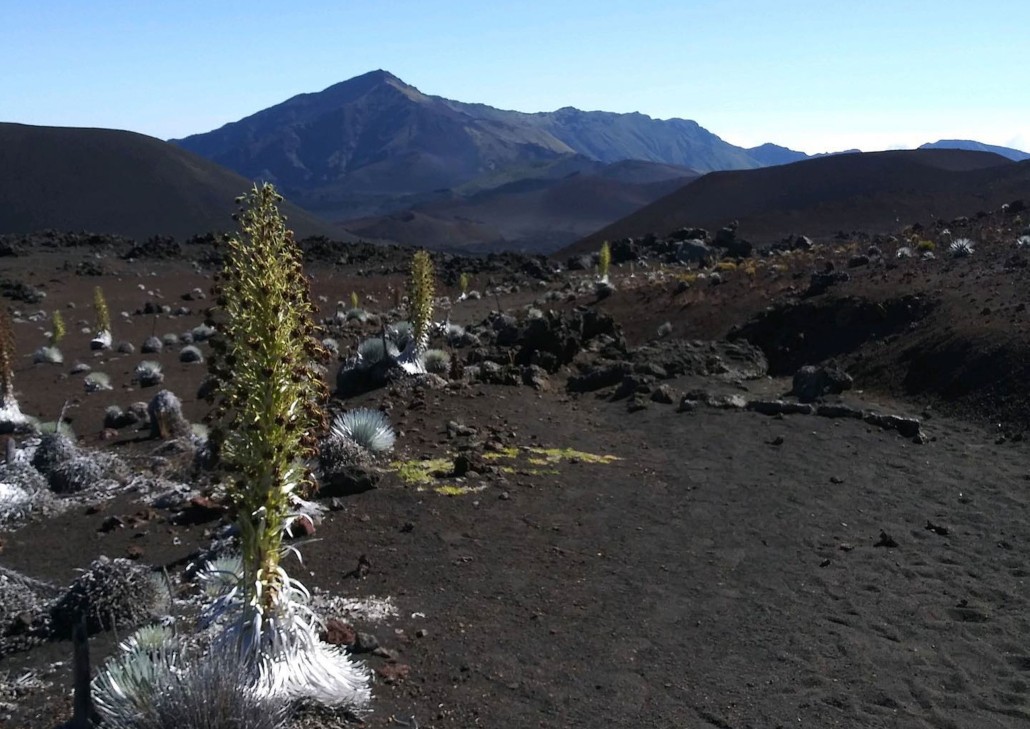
(875, 192)
(533, 215)
(118, 182)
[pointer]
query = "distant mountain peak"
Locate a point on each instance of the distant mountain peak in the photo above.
(1017, 155)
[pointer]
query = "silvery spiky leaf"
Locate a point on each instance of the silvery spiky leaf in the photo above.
(203, 332)
(97, 381)
(151, 639)
(399, 333)
(961, 247)
(373, 351)
(285, 656)
(410, 360)
(453, 333)
(368, 428)
(212, 692)
(102, 340)
(11, 416)
(148, 373)
(221, 575)
(48, 355)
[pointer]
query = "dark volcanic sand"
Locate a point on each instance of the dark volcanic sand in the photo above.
(707, 578)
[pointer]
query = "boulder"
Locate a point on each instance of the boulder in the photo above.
(811, 383)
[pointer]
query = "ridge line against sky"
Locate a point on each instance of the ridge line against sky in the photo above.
(799, 73)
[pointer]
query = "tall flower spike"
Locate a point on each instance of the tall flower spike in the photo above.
(271, 401)
(420, 303)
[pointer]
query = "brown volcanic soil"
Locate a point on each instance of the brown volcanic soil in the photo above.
(723, 572)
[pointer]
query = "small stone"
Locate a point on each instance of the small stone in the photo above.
(393, 672)
(338, 632)
(885, 540)
(111, 523)
(365, 643)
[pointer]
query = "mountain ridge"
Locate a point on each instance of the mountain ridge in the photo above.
(870, 191)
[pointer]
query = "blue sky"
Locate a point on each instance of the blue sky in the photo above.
(812, 75)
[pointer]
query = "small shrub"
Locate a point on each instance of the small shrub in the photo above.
(453, 333)
(373, 351)
(368, 428)
(48, 355)
(156, 688)
(961, 248)
(166, 418)
(190, 353)
(97, 382)
(148, 373)
(203, 332)
(111, 593)
(924, 245)
(437, 361)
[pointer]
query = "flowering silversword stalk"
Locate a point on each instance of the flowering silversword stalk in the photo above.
(269, 410)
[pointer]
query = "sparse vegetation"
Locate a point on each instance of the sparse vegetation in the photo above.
(102, 321)
(148, 373)
(269, 410)
(437, 361)
(367, 428)
(961, 248)
(420, 299)
(604, 261)
(97, 382)
(57, 328)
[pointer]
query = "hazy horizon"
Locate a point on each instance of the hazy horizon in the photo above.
(795, 73)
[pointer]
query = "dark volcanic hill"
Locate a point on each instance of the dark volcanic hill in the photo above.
(535, 214)
(1017, 155)
(123, 183)
(375, 145)
(874, 192)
